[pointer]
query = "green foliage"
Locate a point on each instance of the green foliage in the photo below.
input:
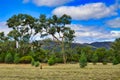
(88, 50)
(49, 26)
(105, 60)
(94, 58)
(2, 57)
(115, 61)
(104, 63)
(59, 60)
(26, 59)
(9, 58)
(83, 60)
(39, 55)
(116, 49)
(51, 60)
(16, 58)
(37, 63)
(32, 62)
(101, 52)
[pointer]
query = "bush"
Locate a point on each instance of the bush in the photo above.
(9, 58)
(83, 60)
(94, 58)
(16, 58)
(39, 55)
(58, 60)
(37, 63)
(26, 59)
(2, 57)
(105, 61)
(33, 62)
(51, 61)
(115, 61)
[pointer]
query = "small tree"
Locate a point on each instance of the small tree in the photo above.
(37, 63)
(51, 60)
(83, 60)
(105, 60)
(115, 61)
(94, 58)
(16, 58)
(116, 49)
(8, 58)
(2, 57)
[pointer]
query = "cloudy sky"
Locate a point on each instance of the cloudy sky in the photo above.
(93, 20)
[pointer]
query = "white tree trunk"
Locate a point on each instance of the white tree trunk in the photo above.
(17, 44)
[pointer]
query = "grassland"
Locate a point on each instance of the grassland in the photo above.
(59, 72)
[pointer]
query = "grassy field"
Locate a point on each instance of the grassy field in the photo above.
(59, 72)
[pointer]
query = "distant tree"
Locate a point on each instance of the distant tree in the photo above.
(115, 61)
(94, 58)
(83, 60)
(101, 52)
(9, 58)
(116, 49)
(88, 51)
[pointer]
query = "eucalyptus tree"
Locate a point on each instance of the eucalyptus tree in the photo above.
(57, 28)
(22, 25)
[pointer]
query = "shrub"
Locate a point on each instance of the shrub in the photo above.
(105, 61)
(51, 61)
(9, 58)
(115, 61)
(16, 58)
(2, 57)
(26, 59)
(37, 63)
(58, 60)
(83, 60)
(94, 58)
(32, 62)
(39, 55)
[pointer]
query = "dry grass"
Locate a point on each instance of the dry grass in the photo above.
(59, 72)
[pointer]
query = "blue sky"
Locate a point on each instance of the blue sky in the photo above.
(92, 20)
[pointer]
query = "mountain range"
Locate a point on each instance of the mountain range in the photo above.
(94, 45)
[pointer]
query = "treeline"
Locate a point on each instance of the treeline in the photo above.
(10, 54)
(20, 44)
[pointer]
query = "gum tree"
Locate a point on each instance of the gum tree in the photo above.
(56, 27)
(22, 25)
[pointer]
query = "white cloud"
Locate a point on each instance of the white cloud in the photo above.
(117, 3)
(87, 11)
(115, 23)
(88, 34)
(4, 28)
(50, 3)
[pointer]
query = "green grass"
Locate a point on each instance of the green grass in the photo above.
(59, 72)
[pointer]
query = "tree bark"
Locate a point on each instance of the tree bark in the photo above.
(63, 53)
(17, 44)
